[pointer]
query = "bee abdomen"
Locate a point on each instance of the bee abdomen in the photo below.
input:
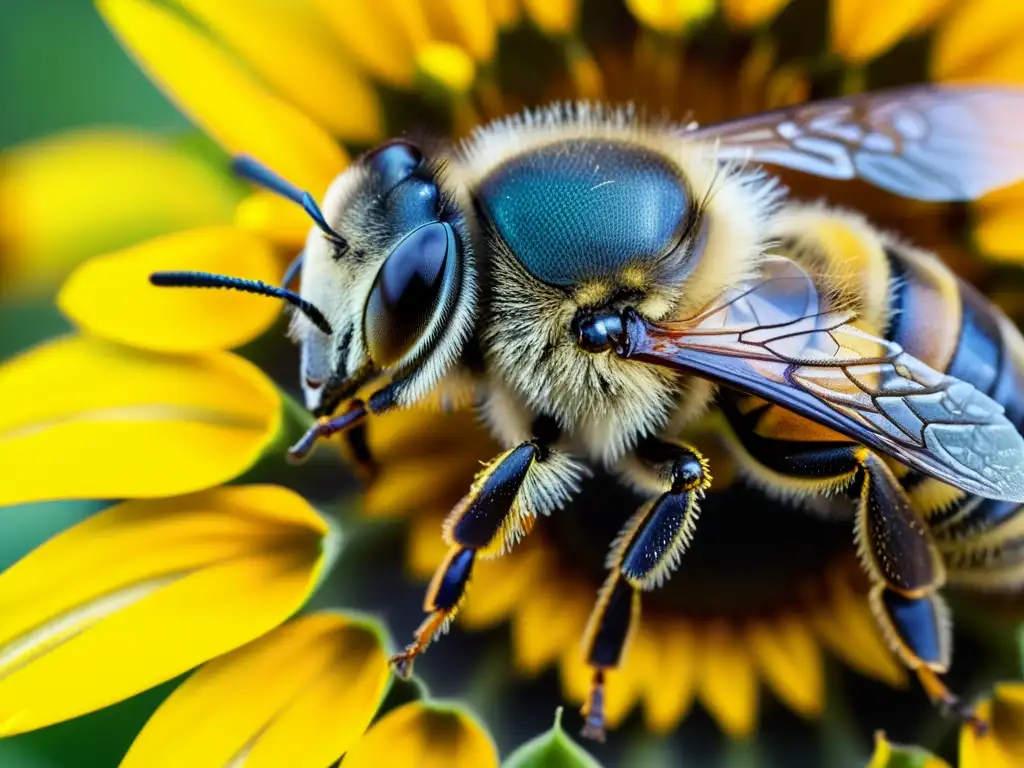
(947, 324)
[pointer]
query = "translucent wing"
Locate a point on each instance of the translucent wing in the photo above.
(773, 337)
(938, 143)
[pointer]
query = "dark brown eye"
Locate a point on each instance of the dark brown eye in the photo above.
(406, 293)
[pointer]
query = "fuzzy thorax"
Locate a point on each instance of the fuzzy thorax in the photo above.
(603, 403)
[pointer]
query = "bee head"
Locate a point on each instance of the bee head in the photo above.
(386, 285)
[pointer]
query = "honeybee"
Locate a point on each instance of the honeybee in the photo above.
(596, 284)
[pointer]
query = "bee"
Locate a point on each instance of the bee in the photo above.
(595, 284)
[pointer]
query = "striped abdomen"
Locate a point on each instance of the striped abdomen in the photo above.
(946, 323)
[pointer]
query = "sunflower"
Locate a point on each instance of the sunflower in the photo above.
(303, 88)
(148, 588)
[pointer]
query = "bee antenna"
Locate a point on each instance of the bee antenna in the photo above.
(209, 280)
(251, 169)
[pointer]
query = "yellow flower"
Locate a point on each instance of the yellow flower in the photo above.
(158, 412)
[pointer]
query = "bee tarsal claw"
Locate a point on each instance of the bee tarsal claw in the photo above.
(593, 711)
(967, 714)
(324, 427)
(403, 662)
(594, 732)
(980, 725)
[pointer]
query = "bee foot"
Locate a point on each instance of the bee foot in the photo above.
(324, 427)
(966, 714)
(403, 662)
(593, 710)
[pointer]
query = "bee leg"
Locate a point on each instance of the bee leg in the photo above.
(897, 552)
(498, 510)
(918, 630)
(894, 544)
(612, 623)
(353, 416)
(642, 558)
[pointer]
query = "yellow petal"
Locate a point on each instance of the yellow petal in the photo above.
(669, 683)
(77, 194)
(975, 38)
(790, 660)
(399, 435)
(1001, 65)
(427, 485)
(146, 590)
(299, 696)
(847, 625)
(466, 23)
(547, 624)
(751, 13)
(727, 681)
(447, 64)
(999, 231)
(426, 547)
(585, 72)
(499, 586)
(863, 29)
(1003, 745)
(280, 221)
(424, 735)
(224, 99)
(554, 17)
(290, 48)
(95, 420)
(504, 12)
(376, 37)
(670, 16)
(110, 296)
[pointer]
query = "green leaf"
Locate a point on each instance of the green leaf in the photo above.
(553, 749)
(888, 755)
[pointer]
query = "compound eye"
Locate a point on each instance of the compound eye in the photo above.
(407, 292)
(395, 161)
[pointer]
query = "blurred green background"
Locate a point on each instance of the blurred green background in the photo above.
(61, 69)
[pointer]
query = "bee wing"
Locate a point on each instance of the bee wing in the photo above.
(772, 337)
(936, 143)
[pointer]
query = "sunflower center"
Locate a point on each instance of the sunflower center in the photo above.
(750, 554)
